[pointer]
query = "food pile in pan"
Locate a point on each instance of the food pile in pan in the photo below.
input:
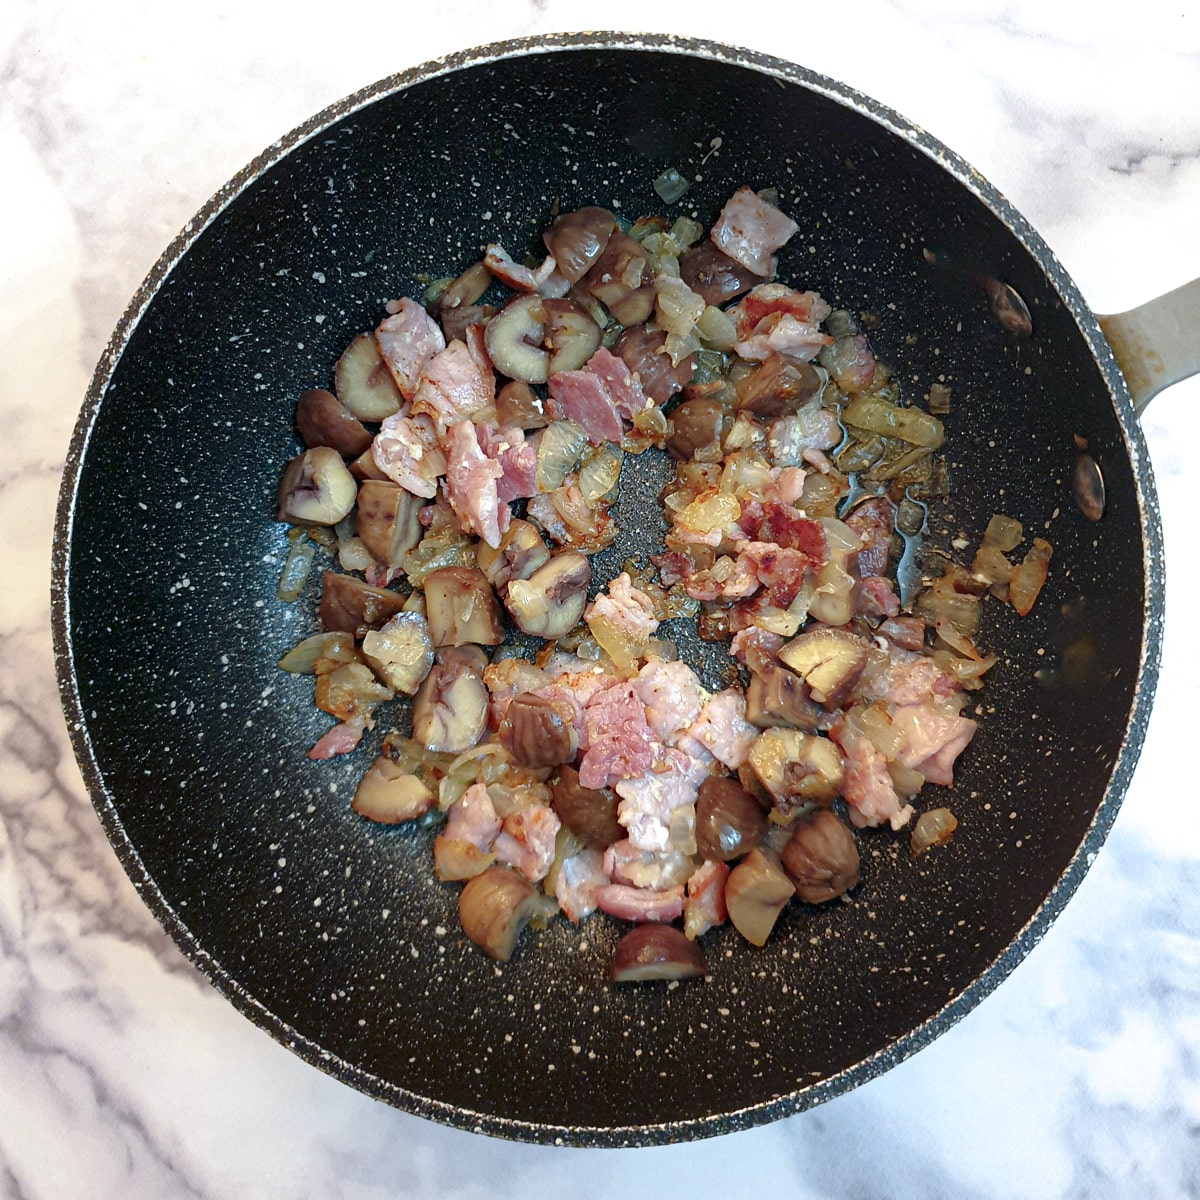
(462, 473)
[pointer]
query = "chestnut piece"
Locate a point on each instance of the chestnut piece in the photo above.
(551, 601)
(461, 608)
(449, 714)
(589, 813)
(520, 553)
(517, 404)
(642, 351)
(577, 239)
(713, 275)
(695, 425)
(350, 605)
(776, 697)
(821, 857)
(538, 732)
(387, 520)
(729, 821)
(316, 488)
(493, 908)
(653, 951)
(830, 661)
(777, 387)
(323, 420)
(756, 892)
(388, 794)
(363, 382)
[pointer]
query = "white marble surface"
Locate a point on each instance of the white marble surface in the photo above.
(123, 1074)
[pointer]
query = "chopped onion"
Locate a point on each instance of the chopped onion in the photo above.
(671, 185)
(558, 451)
(933, 828)
(296, 566)
(600, 472)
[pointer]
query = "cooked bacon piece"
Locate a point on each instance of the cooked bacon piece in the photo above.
(472, 818)
(407, 341)
(517, 458)
(546, 280)
(785, 526)
(339, 739)
(454, 387)
(705, 906)
(672, 697)
(576, 882)
(905, 678)
(866, 784)
(933, 739)
(656, 869)
(873, 520)
(648, 801)
(757, 649)
(640, 904)
(625, 391)
(774, 319)
(750, 230)
(619, 743)
(526, 841)
(722, 728)
(726, 579)
(627, 607)
(583, 397)
(406, 450)
(779, 569)
(471, 486)
(874, 597)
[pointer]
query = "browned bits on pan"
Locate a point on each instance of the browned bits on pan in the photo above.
(1087, 486)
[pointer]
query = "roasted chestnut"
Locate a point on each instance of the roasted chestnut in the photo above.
(589, 813)
(493, 908)
(652, 951)
(729, 821)
(538, 732)
(323, 420)
(821, 857)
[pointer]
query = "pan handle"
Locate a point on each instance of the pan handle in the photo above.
(1157, 343)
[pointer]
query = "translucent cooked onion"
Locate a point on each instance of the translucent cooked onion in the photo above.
(709, 512)
(671, 185)
(296, 566)
(600, 472)
(558, 452)
(933, 828)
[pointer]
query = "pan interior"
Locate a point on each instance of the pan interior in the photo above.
(333, 932)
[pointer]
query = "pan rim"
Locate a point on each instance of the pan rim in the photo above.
(107, 806)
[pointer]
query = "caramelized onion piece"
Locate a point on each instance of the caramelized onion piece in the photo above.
(821, 857)
(933, 828)
(493, 908)
(653, 951)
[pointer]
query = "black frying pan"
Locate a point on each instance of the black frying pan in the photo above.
(330, 932)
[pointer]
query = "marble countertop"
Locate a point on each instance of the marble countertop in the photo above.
(123, 1073)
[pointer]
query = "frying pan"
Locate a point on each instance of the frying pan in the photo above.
(330, 932)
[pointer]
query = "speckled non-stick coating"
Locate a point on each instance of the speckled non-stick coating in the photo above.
(331, 932)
